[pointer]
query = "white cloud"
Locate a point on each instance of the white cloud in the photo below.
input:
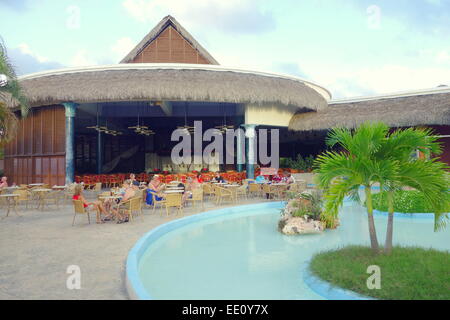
(82, 58)
(25, 49)
(443, 56)
(122, 47)
(244, 16)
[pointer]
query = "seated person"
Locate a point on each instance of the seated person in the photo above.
(277, 178)
(199, 178)
(97, 205)
(154, 187)
(4, 182)
(126, 193)
(133, 180)
(191, 185)
(261, 179)
(218, 178)
(289, 179)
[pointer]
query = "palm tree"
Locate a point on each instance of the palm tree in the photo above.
(10, 94)
(342, 173)
(426, 176)
(370, 154)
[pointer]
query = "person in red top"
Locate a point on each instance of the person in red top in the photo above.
(199, 178)
(78, 195)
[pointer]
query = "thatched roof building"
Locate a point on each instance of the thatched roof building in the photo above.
(173, 82)
(425, 107)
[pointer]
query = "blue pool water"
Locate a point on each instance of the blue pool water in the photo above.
(243, 256)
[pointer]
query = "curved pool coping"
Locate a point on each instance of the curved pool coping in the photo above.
(136, 290)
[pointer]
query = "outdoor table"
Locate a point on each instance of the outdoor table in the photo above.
(173, 191)
(174, 188)
(10, 203)
(59, 187)
(40, 196)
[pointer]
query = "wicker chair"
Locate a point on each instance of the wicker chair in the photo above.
(197, 196)
(80, 209)
(254, 189)
(174, 200)
(222, 193)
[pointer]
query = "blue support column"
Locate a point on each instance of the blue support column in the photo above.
(99, 152)
(251, 157)
(240, 150)
(70, 138)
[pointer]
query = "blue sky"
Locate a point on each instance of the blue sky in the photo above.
(352, 47)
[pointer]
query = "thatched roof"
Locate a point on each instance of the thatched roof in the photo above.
(403, 111)
(170, 82)
(157, 30)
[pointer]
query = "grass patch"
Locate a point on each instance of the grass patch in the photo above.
(409, 273)
(407, 201)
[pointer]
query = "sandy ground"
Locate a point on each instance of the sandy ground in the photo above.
(37, 247)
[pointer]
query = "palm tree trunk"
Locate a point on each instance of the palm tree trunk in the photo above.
(390, 225)
(372, 231)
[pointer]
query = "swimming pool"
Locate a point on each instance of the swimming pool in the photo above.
(237, 253)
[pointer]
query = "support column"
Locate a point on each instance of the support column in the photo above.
(240, 150)
(99, 152)
(70, 138)
(251, 157)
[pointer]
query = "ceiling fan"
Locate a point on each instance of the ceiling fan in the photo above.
(141, 129)
(186, 128)
(224, 127)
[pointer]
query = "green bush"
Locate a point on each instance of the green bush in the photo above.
(407, 201)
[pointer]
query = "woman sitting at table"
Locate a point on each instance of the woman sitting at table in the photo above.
(191, 185)
(97, 205)
(154, 187)
(126, 193)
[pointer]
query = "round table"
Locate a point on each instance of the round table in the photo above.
(10, 202)
(173, 191)
(40, 196)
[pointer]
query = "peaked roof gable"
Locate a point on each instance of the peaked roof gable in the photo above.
(168, 25)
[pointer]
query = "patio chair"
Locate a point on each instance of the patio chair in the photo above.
(222, 193)
(254, 189)
(207, 189)
(24, 197)
(173, 200)
(242, 191)
(269, 190)
(80, 209)
(133, 205)
(197, 196)
(51, 197)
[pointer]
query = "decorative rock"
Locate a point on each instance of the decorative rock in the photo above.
(299, 225)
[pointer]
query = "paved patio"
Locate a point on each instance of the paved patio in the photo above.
(37, 248)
